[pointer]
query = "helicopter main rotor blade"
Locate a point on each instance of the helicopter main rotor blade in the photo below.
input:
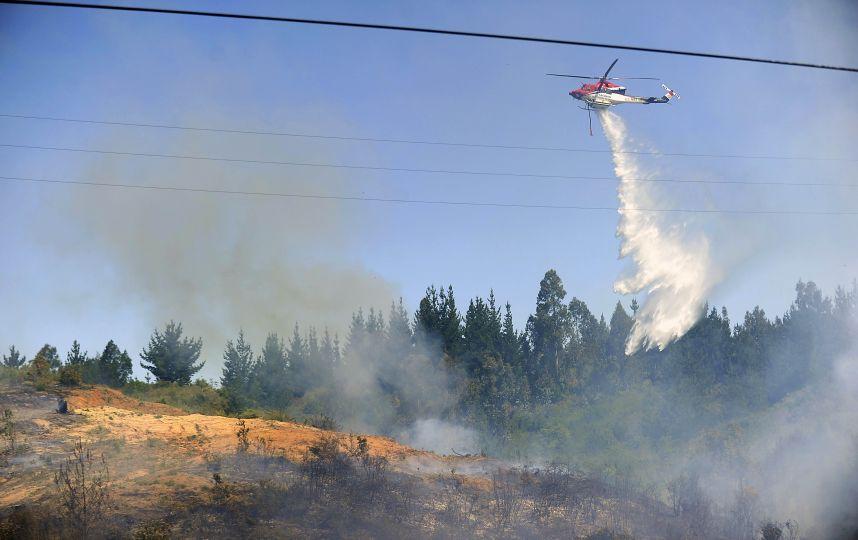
(605, 76)
(572, 76)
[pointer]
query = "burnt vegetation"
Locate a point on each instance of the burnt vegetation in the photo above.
(339, 489)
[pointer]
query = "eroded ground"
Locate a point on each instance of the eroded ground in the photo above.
(181, 475)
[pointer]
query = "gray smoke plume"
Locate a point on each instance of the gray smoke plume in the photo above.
(217, 263)
(797, 460)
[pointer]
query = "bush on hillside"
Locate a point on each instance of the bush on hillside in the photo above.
(70, 375)
(199, 397)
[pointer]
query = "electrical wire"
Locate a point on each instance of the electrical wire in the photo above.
(416, 170)
(427, 201)
(410, 141)
(423, 30)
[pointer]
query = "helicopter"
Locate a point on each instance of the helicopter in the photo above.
(604, 94)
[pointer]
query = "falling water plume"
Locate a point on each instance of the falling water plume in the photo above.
(669, 263)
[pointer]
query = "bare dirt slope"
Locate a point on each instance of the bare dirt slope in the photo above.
(178, 475)
(155, 450)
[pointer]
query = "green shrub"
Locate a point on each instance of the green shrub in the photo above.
(322, 421)
(199, 397)
(266, 414)
(70, 376)
(40, 374)
(10, 375)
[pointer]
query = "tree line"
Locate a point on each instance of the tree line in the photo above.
(474, 365)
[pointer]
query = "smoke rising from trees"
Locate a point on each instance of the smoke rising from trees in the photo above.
(216, 263)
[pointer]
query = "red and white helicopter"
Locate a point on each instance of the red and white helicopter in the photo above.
(604, 94)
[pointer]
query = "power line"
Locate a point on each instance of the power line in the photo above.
(423, 30)
(417, 170)
(410, 141)
(426, 201)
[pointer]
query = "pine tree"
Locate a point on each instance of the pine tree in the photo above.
(48, 355)
(329, 354)
(548, 330)
(113, 367)
(15, 359)
(237, 372)
(427, 320)
(450, 322)
(399, 337)
(375, 322)
(620, 327)
(510, 343)
(314, 357)
(74, 357)
(297, 357)
(481, 333)
(587, 348)
(170, 357)
(271, 374)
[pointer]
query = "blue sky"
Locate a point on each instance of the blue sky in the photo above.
(71, 269)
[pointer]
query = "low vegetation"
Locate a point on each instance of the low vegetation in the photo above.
(82, 486)
(198, 397)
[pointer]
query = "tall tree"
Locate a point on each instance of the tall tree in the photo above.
(481, 333)
(237, 372)
(48, 355)
(510, 342)
(427, 319)
(399, 336)
(634, 307)
(271, 373)
(113, 367)
(548, 331)
(450, 322)
(318, 372)
(618, 333)
(357, 342)
(329, 352)
(586, 348)
(14, 359)
(74, 357)
(620, 327)
(298, 359)
(375, 322)
(170, 357)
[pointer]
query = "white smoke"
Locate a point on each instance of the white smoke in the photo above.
(441, 437)
(670, 263)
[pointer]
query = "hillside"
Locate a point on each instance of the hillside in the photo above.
(174, 474)
(156, 442)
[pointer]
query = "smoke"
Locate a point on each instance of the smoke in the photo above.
(440, 437)
(217, 263)
(796, 460)
(670, 263)
(809, 452)
(401, 391)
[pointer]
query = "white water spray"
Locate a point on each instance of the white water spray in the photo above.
(669, 263)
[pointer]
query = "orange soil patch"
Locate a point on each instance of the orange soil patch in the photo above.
(199, 434)
(16, 493)
(160, 451)
(100, 396)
